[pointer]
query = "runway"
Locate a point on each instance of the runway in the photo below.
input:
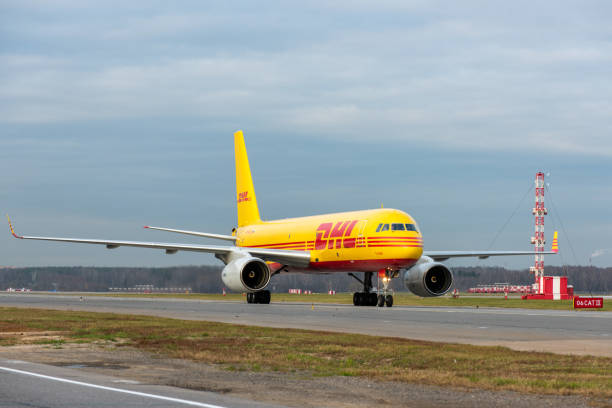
(25, 384)
(568, 332)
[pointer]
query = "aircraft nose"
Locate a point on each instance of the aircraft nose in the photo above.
(413, 252)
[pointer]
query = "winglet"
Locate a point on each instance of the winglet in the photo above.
(11, 227)
(146, 226)
(555, 243)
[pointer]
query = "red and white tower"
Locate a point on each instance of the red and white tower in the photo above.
(539, 211)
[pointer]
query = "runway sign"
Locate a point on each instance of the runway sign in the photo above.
(588, 303)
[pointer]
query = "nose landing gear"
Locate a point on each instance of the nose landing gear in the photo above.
(379, 297)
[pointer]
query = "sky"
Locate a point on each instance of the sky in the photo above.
(115, 115)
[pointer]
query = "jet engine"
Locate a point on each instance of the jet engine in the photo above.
(428, 278)
(246, 274)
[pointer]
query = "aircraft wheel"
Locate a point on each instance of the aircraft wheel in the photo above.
(261, 297)
(249, 297)
(381, 300)
(265, 297)
(372, 299)
(356, 299)
(389, 300)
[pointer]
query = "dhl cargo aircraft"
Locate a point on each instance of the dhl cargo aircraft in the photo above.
(382, 241)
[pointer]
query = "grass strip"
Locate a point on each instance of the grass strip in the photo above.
(400, 299)
(315, 353)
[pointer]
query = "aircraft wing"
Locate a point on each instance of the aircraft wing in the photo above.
(285, 257)
(444, 255)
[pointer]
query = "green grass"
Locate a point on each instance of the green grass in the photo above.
(315, 353)
(400, 298)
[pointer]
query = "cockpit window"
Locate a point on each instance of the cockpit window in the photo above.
(397, 227)
(410, 227)
(379, 227)
(385, 227)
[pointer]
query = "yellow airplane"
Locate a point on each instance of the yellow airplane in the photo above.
(381, 241)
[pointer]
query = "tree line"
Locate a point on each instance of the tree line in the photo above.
(207, 278)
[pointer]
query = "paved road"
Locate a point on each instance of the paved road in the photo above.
(24, 384)
(522, 329)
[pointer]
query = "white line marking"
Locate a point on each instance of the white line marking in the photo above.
(101, 387)
(126, 381)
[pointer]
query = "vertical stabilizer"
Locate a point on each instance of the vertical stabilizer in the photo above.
(248, 212)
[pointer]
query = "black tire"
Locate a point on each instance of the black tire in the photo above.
(356, 299)
(381, 300)
(372, 299)
(360, 298)
(265, 297)
(250, 297)
(389, 300)
(262, 297)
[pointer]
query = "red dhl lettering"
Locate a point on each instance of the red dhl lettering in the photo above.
(244, 196)
(329, 235)
(322, 234)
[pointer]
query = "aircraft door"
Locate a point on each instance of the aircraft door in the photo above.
(361, 238)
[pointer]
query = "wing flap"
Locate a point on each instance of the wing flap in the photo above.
(195, 233)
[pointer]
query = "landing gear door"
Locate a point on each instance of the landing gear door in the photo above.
(361, 238)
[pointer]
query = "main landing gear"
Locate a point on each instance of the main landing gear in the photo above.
(263, 297)
(368, 297)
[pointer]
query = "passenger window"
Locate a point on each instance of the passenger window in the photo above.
(397, 227)
(385, 227)
(410, 227)
(378, 228)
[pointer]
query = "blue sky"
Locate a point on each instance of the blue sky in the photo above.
(114, 116)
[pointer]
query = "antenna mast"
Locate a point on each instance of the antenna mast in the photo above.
(539, 211)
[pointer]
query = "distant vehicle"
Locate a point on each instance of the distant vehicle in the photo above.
(382, 241)
(18, 290)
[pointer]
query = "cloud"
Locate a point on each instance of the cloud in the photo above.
(463, 78)
(599, 252)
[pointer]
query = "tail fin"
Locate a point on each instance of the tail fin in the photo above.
(248, 212)
(555, 243)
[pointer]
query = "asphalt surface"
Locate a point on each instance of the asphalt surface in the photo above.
(575, 332)
(24, 384)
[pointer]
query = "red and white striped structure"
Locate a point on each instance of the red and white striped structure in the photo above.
(300, 292)
(538, 240)
(544, 287)
(501, 288)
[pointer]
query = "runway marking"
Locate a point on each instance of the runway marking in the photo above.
(126, 381)
(102, 387)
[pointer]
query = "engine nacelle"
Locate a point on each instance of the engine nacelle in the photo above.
(428, 278)
(246, 274)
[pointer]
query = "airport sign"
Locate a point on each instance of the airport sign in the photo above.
(588, 303)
